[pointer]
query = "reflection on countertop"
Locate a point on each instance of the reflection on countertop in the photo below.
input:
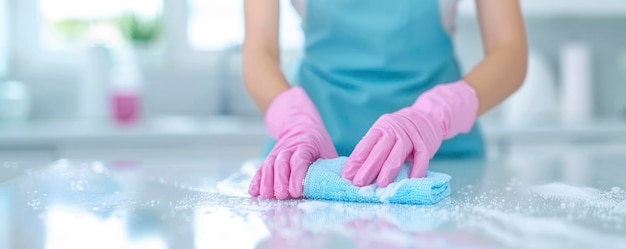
(534, 197)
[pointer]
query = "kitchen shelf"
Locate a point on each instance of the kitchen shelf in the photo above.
(599, 131)
(235, 131)
(153, 132)
(560, 8)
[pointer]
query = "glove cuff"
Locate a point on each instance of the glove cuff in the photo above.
(289, 110)
(454, 106)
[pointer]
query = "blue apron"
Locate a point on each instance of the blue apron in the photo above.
(365, 58)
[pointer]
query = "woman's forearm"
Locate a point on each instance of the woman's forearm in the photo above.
(263, 76)
(503, 69)
(498, 75)
(261, 53)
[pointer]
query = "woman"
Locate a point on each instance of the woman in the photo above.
(378, 83)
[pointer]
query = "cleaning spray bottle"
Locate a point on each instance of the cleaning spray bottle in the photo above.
(126, 88)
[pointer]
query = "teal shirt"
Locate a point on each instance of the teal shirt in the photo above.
(365, 58)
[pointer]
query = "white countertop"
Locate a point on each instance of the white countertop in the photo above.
(570, 197)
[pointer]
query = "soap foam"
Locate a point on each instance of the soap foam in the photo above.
(385, 193)
(564, 191)
(529, 222)
(515, 229)
(237, 183)
(367, 190)
(555, 215)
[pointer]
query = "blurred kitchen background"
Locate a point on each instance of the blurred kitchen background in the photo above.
(119, 78)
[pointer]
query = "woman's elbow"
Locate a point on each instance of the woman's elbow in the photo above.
(520, 63)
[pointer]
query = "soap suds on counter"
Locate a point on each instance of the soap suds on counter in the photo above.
(554, 215)
(368, 190)
(541, 232)
(237, 184)
(385, 193)
(561, 190)
(607, 205)
(615, 189)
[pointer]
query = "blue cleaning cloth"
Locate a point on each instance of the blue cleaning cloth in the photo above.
(324, 182)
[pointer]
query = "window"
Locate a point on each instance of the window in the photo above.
(53, 33)
(4, 41)
(219, 24)
(67, 24)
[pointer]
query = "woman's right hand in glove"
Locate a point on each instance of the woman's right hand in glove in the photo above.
(293, 120)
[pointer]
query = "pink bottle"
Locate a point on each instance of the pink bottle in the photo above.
(126, 93)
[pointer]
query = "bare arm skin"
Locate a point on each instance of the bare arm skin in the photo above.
(503, 69)
(261, 54)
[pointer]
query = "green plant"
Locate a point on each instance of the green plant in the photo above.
(72, 29)
(140, 30)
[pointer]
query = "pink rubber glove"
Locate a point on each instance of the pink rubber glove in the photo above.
(295, 123)
(412, 134)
